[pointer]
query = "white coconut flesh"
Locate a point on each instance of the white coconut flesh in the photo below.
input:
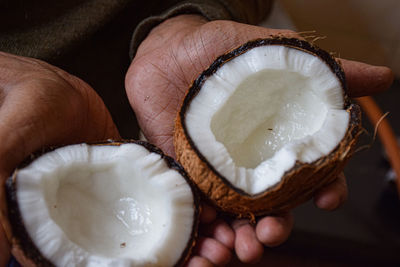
(264, 110)
(106, 206)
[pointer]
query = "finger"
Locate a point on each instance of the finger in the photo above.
(213, 250)
(222, 232)
(4, 248)
(333, 195)
(4, 224)
(247, 247)
(208, 214)
(274, 230)
(364, 79)
(197, 261)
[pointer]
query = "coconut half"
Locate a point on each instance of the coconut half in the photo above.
(115, 204)
(266, 125)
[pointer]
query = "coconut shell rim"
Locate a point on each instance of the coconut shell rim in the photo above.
(21, 237)
(301, 45)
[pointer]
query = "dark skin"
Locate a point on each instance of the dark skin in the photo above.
(41, 105)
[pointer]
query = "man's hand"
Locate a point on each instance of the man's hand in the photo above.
(167, 61)
(41, 105)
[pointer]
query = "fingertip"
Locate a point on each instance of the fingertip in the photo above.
(273, 231)
(198, 261)
(328, 201)
(214, 251)
(333, 195)
(384, 78)
(387, 76)
(247, 247)
(222, 232)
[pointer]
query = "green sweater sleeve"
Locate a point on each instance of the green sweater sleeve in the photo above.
(49, 29)
(245, 11)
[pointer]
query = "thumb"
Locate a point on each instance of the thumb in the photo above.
(364, 79)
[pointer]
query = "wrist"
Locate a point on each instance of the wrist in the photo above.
(173, 28)
(180, 22)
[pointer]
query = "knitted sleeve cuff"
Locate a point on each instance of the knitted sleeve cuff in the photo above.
(211, 10)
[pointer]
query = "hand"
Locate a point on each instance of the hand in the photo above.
(41, 105)
(169, 59)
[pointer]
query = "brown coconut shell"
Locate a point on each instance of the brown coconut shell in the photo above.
(299, 183)
(24, 249)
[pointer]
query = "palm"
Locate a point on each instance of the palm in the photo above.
(169, 65)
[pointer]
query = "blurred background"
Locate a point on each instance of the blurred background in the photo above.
(364, 30)
(366, 230)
